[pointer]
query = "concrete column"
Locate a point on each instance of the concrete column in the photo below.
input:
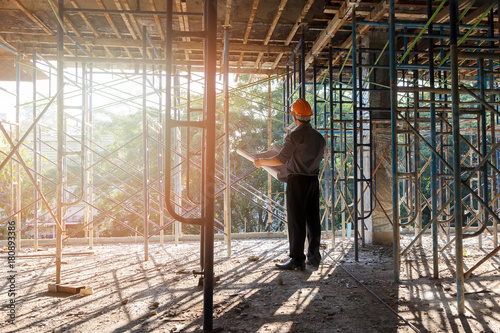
(378, 225)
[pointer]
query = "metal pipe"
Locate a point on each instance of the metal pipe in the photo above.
(416, 152)
(9, 49)
(455, 97)
(210, 58)
(168, 120)
(434, 161)
(315, 97)
(145, 148)
(465, 91)
(494, 180)
(482, 261)
(90, 161)
(355, 134)
(302, 64)
(35, 156)
(227, 164)
(416, 25)
(60, 142)
(483, 135)
(394, 137)
(332, 138)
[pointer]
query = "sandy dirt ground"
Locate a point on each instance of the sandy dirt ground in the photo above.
(163, 294)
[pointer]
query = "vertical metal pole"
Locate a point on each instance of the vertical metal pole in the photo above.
(35, 160)
(394, 138)
(332, 139)
(455, 99)
(354, 132)
(177, 159)
(168, 87)
(83, 146)
(494, 180)
(286, 94)
(227, 164)
(302, 65)
(210, 60)
(160, 161)
(361, 153)
(17, 197)
(434, 195)
(90, 161)
(482, 138)
(269, 145)
(145, 148)
(343, 157)
(416, 152)
(315, 98)
(60, 143)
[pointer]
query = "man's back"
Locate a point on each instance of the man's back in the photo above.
(303, 151)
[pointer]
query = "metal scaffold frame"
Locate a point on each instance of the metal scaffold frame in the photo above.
(453, 112)
(444, 126)
(442, 118)
(89, 168)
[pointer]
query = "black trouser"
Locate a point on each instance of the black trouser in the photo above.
(302, 202)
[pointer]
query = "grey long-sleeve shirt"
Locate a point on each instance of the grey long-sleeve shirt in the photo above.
(303, 151)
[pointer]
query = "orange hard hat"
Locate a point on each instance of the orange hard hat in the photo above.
(301, 108)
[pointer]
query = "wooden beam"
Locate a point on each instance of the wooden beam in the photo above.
(247, 31)
(68, 289)
(276, 18)
(113, 26)
(183, 23)
(138, 29)
(113, 42)
(227, 20)
(472, 16)
(375, 15)
(295, 27)
(33, 17)
(125, 19)
(334, 25)
(444, 14)
(275, 21)
(157, 20)
(250, 21)
(91, 27)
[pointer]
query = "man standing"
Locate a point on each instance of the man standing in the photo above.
(302, 154)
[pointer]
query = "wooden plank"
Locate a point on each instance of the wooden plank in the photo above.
(59, 288)
(375, 15)
(250, 21)
(113, 42)
(125, 19)
(113, 26)
(276, 18)
(295, 27)
(270, 32)
(33, 17)
(132, 18)
(91, 27)
(157, 20)
(227, 20)
(334, 25)
(247, 31)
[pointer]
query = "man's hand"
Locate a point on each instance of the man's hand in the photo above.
(257, 163)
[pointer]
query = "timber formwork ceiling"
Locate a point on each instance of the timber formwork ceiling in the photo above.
(262, 34)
